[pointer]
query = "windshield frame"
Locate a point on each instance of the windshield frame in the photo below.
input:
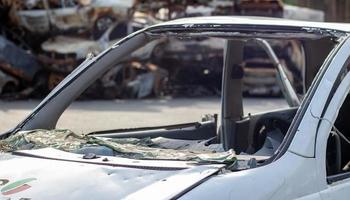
(146, 35)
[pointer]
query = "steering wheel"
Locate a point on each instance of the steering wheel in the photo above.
(266, 125)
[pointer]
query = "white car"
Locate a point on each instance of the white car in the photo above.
(301, 152)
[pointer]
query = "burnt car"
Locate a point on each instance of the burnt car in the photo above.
(194, 65)
(62, 53)
(8, 84)
(298, 152)
(22, 72)
(205, 58)
(260, 73)
(47, 16)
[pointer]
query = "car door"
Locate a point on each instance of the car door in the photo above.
(332, 143)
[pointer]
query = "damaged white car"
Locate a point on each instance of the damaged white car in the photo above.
(301, 152)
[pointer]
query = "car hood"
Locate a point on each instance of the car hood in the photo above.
(50, 174)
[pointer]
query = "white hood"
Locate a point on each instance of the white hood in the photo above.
(53, 174)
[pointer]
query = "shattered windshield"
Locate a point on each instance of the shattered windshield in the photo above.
(164, 102)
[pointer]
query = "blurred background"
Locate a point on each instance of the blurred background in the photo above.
(42, 41)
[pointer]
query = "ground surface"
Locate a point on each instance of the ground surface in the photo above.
(87, 116)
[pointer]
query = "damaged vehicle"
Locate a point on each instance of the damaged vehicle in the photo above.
(205, 58)
(45, 16)
(260, 73)
(19, 73)
(194, 65)
(8, 84)
(62, 54)
(299, 152)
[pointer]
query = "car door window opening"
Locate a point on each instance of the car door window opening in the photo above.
(338, 154)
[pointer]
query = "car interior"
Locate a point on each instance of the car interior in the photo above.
(338, 153)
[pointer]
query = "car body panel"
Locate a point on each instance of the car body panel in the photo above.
(283, 179)
(79, 179)
(329, 191)
(304, 139)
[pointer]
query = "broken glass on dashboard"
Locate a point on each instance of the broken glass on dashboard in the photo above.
(145, 148)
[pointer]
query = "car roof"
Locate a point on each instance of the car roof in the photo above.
(255, 21)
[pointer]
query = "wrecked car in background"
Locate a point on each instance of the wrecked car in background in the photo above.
(19, 73)
(44, 16)
(61, 54)
(300, 152)
(197, 72)
(260, 73)
(8, 84)
(194, 65)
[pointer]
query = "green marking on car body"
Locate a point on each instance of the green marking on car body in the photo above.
(16, 184)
